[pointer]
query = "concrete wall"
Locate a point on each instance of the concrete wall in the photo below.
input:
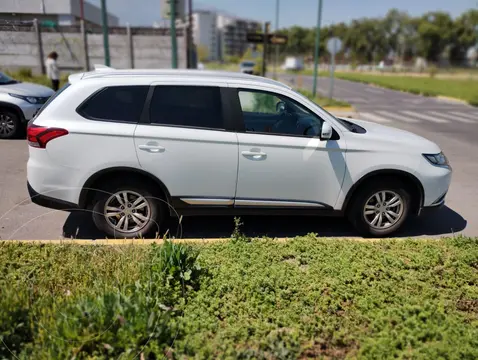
(151, 48)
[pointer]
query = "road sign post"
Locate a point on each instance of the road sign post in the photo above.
(334, 45)
(264, 47)
(317, 45)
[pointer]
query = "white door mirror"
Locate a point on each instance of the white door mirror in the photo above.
(326, 132)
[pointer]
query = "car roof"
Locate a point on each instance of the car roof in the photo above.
(158, 74)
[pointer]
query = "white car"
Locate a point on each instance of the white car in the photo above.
(19, 102)
(135, 146)
(247, 67)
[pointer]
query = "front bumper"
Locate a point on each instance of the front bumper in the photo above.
(49, 202)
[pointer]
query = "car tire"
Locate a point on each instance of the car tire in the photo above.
(372, 218)
(10, 124)
(152, 208)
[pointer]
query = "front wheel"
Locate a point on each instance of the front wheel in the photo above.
(127, 212)
(380, 209)
(10, 125)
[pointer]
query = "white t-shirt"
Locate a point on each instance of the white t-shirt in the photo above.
(52, 70)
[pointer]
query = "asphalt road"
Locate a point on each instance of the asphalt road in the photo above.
(454, 128)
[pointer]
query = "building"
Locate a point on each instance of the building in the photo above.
(61, 12)
(221, 34)
(205, 32)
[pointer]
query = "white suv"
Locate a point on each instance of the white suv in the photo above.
(137, 145)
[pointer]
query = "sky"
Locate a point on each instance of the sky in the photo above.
(292, 12)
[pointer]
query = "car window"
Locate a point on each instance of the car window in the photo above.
(49, 101)
(266, 112)
(190, 106)
(116, 103)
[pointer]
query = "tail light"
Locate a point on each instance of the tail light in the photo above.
(39, 136)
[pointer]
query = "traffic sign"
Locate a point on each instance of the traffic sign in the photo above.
(166, 8)
(255, 38)
(334, 45)
(258, 38)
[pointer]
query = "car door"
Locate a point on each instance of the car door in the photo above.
(186, 144)
(282, 160)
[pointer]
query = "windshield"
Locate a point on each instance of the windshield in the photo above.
(5, 79)
(247, 63)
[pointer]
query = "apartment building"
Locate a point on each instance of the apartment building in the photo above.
(221, 34)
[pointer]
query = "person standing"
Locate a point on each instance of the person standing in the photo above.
(52, 70)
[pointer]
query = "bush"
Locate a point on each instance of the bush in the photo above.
(432, 71)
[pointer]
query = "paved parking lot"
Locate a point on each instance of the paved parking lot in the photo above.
(20, 219)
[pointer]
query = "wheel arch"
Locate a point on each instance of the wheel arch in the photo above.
(409, 180)
(88, 189)
(14, 108)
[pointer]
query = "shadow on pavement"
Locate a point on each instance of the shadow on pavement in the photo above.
(79, 225)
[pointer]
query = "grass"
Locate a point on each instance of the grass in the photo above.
(246, 299)
(463, 89)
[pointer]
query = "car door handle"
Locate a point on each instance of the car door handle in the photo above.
(152, 148)
(254, 154)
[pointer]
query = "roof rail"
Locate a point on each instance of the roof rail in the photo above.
(100, 67)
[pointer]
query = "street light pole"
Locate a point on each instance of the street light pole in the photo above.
(174, 55)
(317, 44)
(277, 47)
(104, 22)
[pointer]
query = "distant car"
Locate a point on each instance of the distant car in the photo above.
(293, 63)
(135, 146)
(247, 67)
(19, 102)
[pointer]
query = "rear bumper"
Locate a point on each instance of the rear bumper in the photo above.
(50, 202)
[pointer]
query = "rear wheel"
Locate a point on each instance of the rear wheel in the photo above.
(128, 211)
(380, 209)
(10, 125)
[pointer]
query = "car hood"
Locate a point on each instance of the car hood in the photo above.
(27, 89)
(396, 136)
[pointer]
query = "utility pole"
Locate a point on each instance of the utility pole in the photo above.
(104, 21)
(277, 47)
(317, 45)
(174, 46)
(264, 50)
(190, 34)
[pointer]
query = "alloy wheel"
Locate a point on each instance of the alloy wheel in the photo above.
(383, 209)
(7, 125)
(127, 211)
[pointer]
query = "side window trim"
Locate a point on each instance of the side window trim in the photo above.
(98, 92)
(227, 122)
(239, 119)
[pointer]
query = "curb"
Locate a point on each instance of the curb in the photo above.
(452, 99)
(114, 242)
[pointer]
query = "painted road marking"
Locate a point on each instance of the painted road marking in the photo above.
(473, 118)
(425, 117)
(451, 117)
(398, 117)
(375, 91)
(374, 118)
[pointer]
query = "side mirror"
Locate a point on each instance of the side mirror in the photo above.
(326, 132)
(280, 107)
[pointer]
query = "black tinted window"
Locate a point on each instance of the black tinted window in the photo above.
(192, 106)
(117, 103)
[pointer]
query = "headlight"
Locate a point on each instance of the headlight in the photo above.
(30, 99)
(437, 159)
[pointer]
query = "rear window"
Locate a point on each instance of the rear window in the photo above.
(48, 102)
(115, 103)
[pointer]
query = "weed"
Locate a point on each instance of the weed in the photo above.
(25, 72)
